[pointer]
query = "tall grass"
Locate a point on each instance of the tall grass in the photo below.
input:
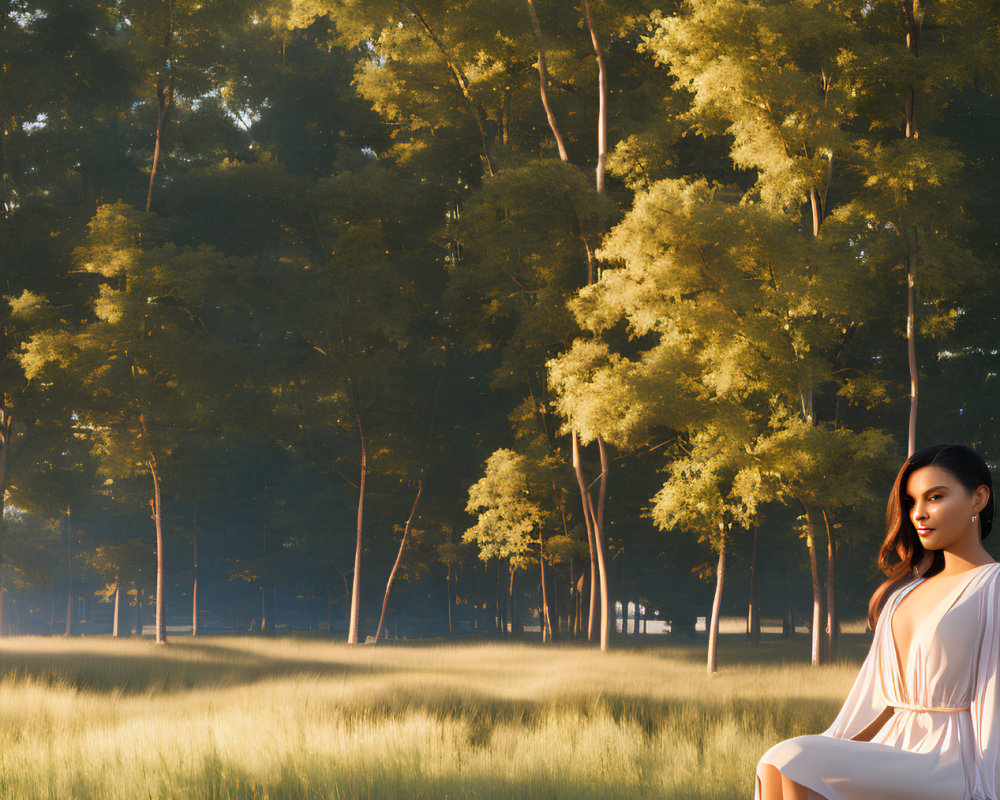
(295, 718)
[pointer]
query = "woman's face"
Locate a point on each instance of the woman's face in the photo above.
(941, 508)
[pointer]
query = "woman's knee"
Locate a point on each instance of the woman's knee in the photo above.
(769, 782)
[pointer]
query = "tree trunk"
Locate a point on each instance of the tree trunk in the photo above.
(603, 583)
(461, 80)
(164, 101)
(161, 611)
(817, 615)
(267, 620)
(589, 524)
(118, 606)
(546, 622)
(753, 612)
(352, 631)
(498, 604)
(194, 589)
(595, 531)
(572, 605)
(832, 623)
(914, 22)
(602, 108)
(599, 592)
(138, 612)
(399, 555)
(599, 545)
(509, 600)
(911, 336)
(713, 629)
(69, 575)
(543, 81)
(5, 432)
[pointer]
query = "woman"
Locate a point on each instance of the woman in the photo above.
(922, 721)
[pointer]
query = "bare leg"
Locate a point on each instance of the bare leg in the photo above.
(769, 781)
(775, 786)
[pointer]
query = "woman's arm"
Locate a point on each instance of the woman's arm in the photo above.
(864, 711)
(867, 734)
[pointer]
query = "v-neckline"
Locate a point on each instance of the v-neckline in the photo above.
(948, 596)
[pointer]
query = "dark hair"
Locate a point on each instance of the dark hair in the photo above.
(902, 551)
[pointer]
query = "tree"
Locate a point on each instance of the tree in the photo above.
(725, 302)
(713, 487)
(510, 512)
(147, 364)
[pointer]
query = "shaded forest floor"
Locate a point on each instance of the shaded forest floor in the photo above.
(284, 719)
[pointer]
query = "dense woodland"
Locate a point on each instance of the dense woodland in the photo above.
(520, 310)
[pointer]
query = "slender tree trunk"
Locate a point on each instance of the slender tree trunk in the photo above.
(602, 110)
(832, 623)
(498, 628)
(399, 555)
(574, 619)
(267, 618)
(911, 346)
(161, 611)
(814, 207)
(543, 81)
(194, 585)
(460, 79)
(913, 14)
(69, 575)
(164, 101)
(817, 614)
(600, 547)
(753, 612)
(118, 606)
(545, 620)
(352, 633)
(6, 421)
(511, 607)
(602, 572)
(588, 521)
(595, 532)
(500, 604)
(713, 630)
(599, 588)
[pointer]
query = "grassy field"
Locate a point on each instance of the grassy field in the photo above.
(285, 719)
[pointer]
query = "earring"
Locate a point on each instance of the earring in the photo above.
(973, 517)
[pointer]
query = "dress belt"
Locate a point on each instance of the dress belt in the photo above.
(908, 707)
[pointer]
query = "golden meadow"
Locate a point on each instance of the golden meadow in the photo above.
(232, 717)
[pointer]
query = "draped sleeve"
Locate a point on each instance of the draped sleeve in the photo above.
(985, 704)
(865, 702)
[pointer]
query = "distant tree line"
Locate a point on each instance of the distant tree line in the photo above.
(484, 313)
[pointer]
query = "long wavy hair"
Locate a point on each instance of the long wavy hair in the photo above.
(902, 555)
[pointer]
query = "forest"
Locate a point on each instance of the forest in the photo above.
(483, 318)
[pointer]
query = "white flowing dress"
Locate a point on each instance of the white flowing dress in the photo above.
(942, 741)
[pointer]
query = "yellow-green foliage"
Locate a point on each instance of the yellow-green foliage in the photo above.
(294, 718)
